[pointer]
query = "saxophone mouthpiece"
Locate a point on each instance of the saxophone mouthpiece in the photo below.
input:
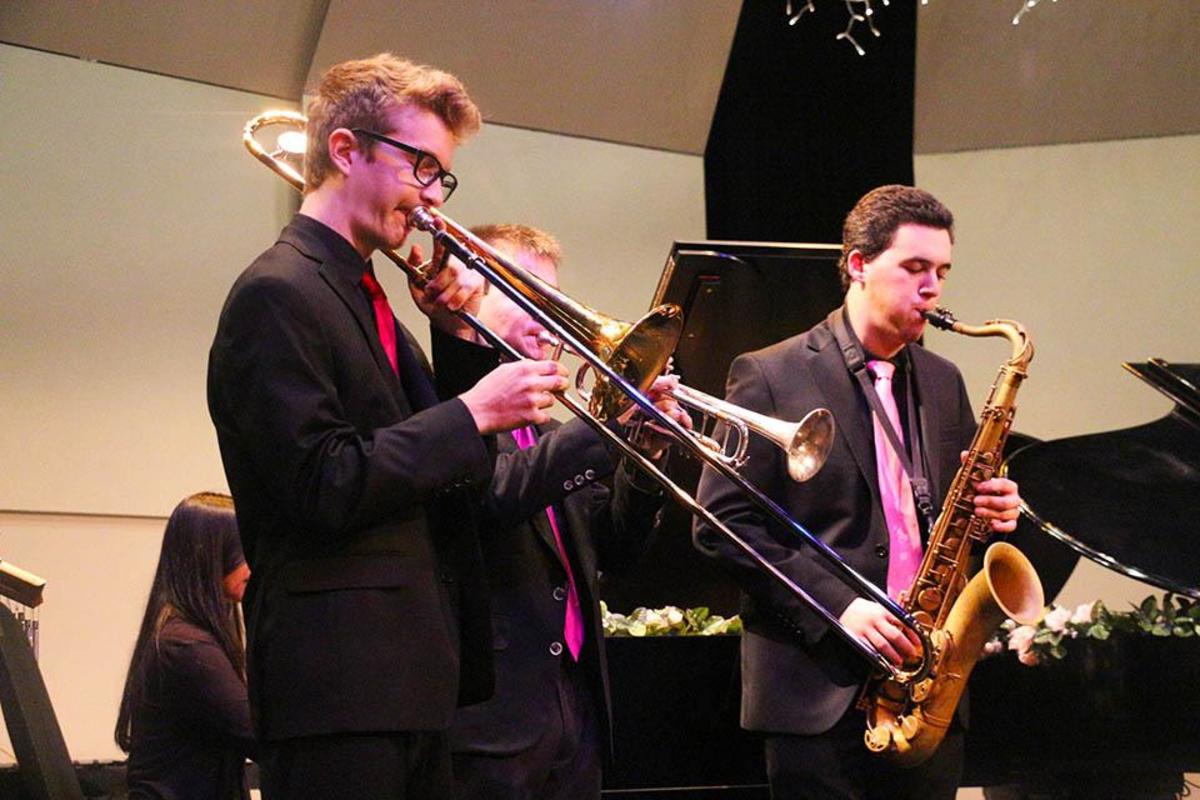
(940, 318)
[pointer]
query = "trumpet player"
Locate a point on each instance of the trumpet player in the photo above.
(559, 510)
(354, 483)
(872, 502)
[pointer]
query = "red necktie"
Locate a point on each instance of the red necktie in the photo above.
(385, 323)
(573, 624)
(895, 490)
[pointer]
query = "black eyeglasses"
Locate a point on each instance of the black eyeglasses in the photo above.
(426, 167)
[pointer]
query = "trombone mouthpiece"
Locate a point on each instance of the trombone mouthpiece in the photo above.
(422, 219)
(940, 318)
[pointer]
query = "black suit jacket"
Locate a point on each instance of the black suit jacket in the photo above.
(606, 518)
(365, 610)
(603, 529)
(797, 676)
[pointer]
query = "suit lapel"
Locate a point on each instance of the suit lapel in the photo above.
(842, 398)
(364, 314)
(541, 520)
(541, 523)
(342, 278)
(931, 431)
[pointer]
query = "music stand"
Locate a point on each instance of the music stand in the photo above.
(736, 297)
(42, 757)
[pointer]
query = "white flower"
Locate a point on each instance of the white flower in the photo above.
(674, 616)
(993, 647)
(1057, 619)
(1083, 614)
(1028, 658)
(1021, 639)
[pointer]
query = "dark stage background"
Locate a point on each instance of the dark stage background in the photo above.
(803, 127)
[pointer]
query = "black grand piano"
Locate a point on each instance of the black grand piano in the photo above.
(1115, 719)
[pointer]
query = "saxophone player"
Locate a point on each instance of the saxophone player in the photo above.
(873, 502)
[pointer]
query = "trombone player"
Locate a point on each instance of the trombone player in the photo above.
(559, 510)
(799, 683)
(354, 482)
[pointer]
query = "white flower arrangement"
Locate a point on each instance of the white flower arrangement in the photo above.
(1036, 644)
(667, 621)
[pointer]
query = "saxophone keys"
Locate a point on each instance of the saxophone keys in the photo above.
(929, 599)
(877, 738)
(910, 726)
(919, 693)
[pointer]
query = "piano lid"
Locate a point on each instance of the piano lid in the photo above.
(1127, 499)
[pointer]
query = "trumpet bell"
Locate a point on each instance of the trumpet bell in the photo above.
(638, 352)
(810, 445)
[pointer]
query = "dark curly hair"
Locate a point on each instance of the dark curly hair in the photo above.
(871, 225)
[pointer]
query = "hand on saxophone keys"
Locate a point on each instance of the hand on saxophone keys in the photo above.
(997, 500)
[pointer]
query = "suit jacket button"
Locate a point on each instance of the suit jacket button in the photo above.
(590, 474)
(568, 484)
(579, 480)
(556, 648)
(881, 551)
(559, 593)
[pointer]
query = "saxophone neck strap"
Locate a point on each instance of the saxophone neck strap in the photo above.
(856, 363)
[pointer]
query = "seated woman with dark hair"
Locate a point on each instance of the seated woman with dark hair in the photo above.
(185, 719)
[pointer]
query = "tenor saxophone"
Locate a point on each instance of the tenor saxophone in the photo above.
(907, 721)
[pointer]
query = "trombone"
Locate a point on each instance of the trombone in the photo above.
(626, 359)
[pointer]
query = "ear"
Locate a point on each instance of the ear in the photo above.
(856, 266)
(343, 147)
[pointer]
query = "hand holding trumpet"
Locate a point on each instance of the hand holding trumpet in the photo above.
(652, 440)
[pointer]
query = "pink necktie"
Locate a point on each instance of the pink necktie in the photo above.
(573, 624)
(384, 322)
(895, 490)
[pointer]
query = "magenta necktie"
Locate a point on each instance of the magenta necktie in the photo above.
(895, 490)
(385, 323)
(573, 624)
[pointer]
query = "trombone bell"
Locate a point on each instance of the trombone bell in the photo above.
(639, 354)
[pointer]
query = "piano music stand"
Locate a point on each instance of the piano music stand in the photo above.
(42, 757)
(736, 297)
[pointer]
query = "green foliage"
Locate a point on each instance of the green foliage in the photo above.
(667, 621)
(1172, 615)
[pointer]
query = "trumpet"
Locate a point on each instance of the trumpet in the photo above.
(805, 444)
(624, 357)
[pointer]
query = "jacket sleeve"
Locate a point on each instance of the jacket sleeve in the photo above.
(623, 528)
(273, 389)
(207, 692)
(565, 458)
